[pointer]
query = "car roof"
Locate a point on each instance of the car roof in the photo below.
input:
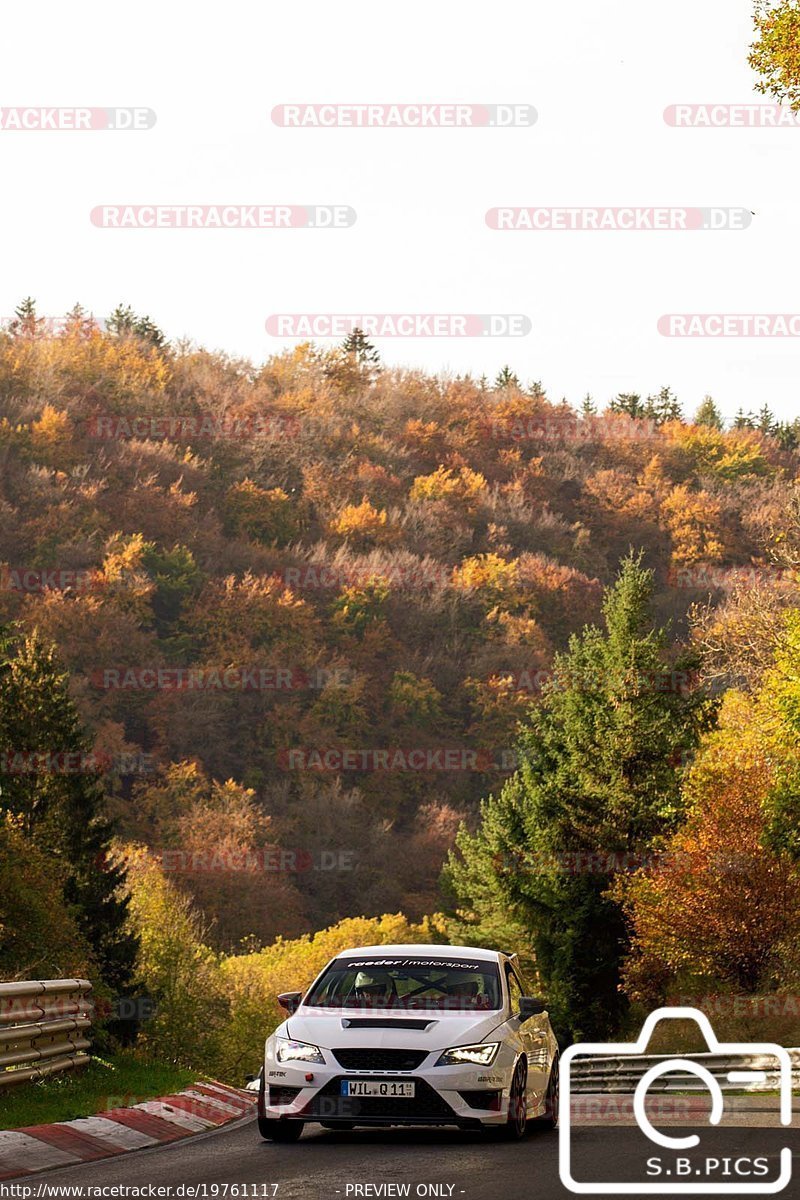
(430, 951)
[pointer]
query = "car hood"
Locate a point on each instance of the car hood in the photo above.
(333, 1029)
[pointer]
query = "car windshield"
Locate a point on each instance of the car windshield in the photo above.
(408, 984)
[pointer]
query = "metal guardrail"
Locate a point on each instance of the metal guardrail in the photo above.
(621, 1074)
(43, 1026)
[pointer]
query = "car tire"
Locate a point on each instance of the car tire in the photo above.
(517, 1124)
(550, 1118)
(273, 1130)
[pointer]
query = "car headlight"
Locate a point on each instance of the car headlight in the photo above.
(482, 1055)
(290, 1051)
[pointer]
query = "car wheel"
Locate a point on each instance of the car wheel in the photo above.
(550, 1118)
(279, 1131)
(517, 1123)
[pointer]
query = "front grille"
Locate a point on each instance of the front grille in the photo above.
(282, 1095)
(426, 1105)
(380, 1060)
(488, 1100)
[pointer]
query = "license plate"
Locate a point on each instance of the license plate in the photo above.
(372, 1087)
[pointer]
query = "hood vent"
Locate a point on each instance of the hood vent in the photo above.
(385, 1023)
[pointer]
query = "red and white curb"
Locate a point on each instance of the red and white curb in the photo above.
(150, 1123)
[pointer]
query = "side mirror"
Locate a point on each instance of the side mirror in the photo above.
(529, 1006)
(290, 1001)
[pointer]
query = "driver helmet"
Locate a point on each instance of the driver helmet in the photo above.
(368, 985)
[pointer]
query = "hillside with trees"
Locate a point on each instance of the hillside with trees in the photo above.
(389, 561)
(298, 620)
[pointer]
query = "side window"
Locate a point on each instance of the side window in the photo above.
(514, 990)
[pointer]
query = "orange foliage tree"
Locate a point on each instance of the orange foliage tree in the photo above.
(719, 906)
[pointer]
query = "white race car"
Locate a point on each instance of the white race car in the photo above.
(411, 1035)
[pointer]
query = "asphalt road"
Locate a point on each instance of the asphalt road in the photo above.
(326, 1165)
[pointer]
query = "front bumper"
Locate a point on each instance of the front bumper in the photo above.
(466, 1096)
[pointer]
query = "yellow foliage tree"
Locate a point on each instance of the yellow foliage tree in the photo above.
(462, 488)
(360, 524)
(490, 576)
(694, 523)
(265, 514)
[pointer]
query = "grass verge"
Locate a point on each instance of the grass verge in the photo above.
(106, 1083)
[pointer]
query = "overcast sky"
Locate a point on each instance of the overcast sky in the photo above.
(599, 75)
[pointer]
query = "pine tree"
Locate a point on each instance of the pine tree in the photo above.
(743, 420)
(765, 421)
(357, 345)
(588, 407)
(787, 434)
(663, 407)
(708, 414)
(26, 324)
(505, 378)
(79, 323)
(629, 404)
(124, 322)
(59, 804)
(597, 782)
